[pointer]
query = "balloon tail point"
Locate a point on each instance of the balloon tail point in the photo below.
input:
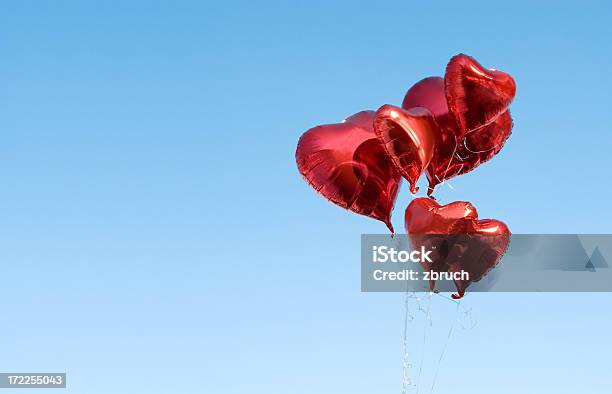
(390, 227)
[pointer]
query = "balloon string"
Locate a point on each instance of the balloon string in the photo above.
(450, 161)
(407, 318)
(427, 324)
(478, 151)
(467, 313)
(450, 333)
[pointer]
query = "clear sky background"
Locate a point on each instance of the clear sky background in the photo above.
(156, 236)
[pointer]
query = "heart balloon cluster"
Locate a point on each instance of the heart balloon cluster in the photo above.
(444, 128)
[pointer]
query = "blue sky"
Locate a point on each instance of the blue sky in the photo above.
(156, 236)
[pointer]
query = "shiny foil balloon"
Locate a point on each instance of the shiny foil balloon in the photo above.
(409, 137)
(347, 164)
(476, 96)
(459, 241)
(455, 154)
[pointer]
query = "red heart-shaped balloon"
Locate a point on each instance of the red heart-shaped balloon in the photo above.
(476, 96)
(453, 154)
(409, 138)
(347, 164)
(457, 239)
